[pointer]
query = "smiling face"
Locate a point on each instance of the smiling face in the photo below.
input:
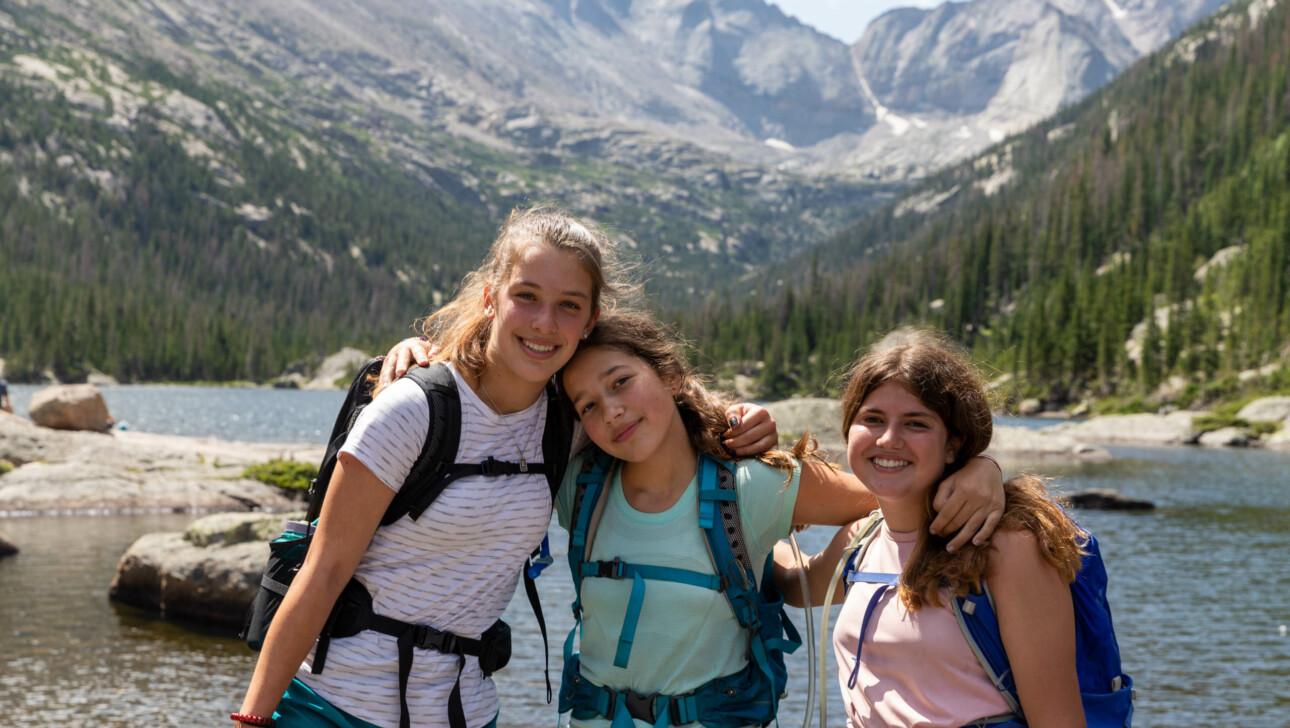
(625, 407)
(539, 313)
(899, 448)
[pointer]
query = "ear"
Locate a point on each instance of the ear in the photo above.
(586, 331)
(489, 308)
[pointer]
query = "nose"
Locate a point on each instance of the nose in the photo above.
(544, 320)
(888, 436)
(611, 409)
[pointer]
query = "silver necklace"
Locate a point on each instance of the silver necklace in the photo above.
(524, 463)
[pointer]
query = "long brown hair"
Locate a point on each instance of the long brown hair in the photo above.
(702, 411)
(462, 330)
(939, 374)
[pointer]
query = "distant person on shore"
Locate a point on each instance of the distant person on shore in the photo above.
(914, 412)
(6, 405)
(515, 322)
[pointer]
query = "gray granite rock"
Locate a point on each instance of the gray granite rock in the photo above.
(70, 407)
(79, 472)
(1171, 429)
(7, 548)
(1106, 500)
(1267, 409)
(1224, 437)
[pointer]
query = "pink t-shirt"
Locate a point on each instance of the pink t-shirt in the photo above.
(917, 668)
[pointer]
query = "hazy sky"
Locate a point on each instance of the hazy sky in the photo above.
(845, 19)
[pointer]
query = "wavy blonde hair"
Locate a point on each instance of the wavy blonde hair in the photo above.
(462, 330)
(702, 411)
(939, 374)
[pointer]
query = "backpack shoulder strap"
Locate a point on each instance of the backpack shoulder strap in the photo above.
(358, 397)
(557, 439)
(859, 546)
(425, 481)
(588, 507)
(724, 531)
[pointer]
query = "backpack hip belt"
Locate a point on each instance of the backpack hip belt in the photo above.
(730, 701)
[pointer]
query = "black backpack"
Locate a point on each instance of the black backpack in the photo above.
(433, 471)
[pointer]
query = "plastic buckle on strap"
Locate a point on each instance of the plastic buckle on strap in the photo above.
(491, 467)
(432, 639)
(640, 707)
(615, 569)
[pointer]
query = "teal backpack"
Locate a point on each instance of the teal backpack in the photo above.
(749, 697)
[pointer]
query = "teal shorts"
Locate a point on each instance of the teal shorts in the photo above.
(301, 707)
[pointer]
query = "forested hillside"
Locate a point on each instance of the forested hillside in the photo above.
(174, 210)
(1141, 235)
(124, 251)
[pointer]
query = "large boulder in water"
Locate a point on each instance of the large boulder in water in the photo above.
(70, 407)
(6, 546)
(209, 573)
(1105, 499)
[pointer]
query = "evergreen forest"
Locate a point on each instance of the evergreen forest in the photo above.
(1134, 249)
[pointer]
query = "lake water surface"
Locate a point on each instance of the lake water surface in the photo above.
(1199, 588)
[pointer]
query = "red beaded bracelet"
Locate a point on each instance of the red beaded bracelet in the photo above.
(255, 720)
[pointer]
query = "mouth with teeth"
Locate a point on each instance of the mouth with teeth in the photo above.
(533, 347)
(889, 463)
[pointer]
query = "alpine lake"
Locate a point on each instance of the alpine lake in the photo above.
(1199, 588)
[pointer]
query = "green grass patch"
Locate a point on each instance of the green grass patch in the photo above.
(286, 474)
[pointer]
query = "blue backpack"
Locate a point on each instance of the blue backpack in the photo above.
(748, 697)
(1105, 691)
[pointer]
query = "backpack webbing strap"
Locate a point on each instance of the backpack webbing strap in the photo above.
(360, 389)
(426, 637)
(980, 626)
(424, 482)
(530, 590)
(885, 582)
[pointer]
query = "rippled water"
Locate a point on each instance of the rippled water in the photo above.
(1199, 589)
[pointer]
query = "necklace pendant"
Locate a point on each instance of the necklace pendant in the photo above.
(524, 465)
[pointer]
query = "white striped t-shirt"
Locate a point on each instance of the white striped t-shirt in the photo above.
(455, 568)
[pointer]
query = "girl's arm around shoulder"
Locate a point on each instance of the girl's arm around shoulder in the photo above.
(356, 500)
(1037, 623)
(830, 497)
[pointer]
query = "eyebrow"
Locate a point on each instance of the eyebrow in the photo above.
(912, 413)
(570, 293)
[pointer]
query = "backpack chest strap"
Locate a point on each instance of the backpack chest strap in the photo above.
(638, 573)
(884, 582)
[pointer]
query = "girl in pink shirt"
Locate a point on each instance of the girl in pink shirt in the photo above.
(914, 411)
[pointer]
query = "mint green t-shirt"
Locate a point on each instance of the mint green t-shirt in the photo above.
(686, 635)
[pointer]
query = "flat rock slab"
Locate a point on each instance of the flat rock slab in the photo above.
(79, 472)
(1023, 443)
(1267, 409)
(1147, 429)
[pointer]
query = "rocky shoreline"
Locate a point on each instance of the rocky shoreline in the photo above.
(65, 472)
